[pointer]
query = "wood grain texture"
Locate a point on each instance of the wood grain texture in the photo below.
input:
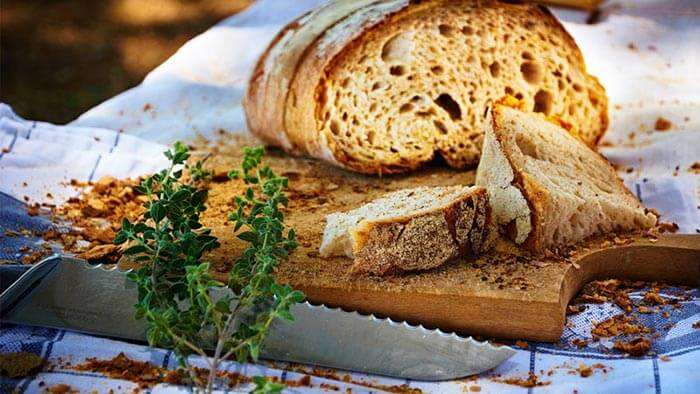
(502, 294)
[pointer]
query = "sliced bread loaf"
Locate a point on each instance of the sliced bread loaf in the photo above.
(547, 188)
(384, 86)
(411, 229)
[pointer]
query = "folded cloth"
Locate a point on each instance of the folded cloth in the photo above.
(38, 160)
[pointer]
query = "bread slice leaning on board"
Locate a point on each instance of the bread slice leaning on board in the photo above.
(385, 86)
(411, 229)
(548, 188)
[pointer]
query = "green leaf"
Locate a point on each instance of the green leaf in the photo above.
(121, 237)
(136, 249)
(248, 236)
(157, 211)
(254, 349)
(263, 386)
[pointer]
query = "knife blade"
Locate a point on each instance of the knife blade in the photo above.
(66, 293)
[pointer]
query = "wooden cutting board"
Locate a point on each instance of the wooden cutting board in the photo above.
(502, 294)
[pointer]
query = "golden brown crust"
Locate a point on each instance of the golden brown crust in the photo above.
(259, 117)
(300, 131)
(424, 241)
(306, 89)
(595, 203)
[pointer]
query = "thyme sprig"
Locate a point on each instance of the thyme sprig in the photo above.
(185, 308)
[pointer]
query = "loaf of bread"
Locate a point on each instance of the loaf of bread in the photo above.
(547, 188)
(384, 86)
(411, 229)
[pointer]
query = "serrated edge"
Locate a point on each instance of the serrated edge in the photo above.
(402, 324)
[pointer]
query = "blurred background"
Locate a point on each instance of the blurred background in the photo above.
(61, 57)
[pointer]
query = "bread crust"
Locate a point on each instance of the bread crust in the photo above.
(285, 107)
(541, 201)
(463, 228)
(305, 95)
(269, 84)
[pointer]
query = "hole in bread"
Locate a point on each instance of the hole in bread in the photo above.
(446, 30)
(577, 87)
(543, 102)
(440, 126)
(335, 127)
(560, 84)
(527, 55)
(519, 96)
(531, 71)
(372, 107)
(426, 114)
(370, 137)
(437, 70)
(377, 85)
(398, 47)
(397, 71)
(405, 108)
(495, 69)
(508, 90)
(446, 102)
(468, 30)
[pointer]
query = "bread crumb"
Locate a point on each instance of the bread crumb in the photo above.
(662, 124)
(584, 370)
(579, 343)
(100, 253)
(61, 389)
(644, 309)
(636, 347)
(653, 298)
(664, 358)
(618, 325)
(522, 344)
(531, 381)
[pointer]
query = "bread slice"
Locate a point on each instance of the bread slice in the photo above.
(547, 188)
(385, 86)
(411, 229)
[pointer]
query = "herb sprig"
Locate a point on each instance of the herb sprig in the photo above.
(185, 308)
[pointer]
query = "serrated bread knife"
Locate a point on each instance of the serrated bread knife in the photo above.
(67, 293)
